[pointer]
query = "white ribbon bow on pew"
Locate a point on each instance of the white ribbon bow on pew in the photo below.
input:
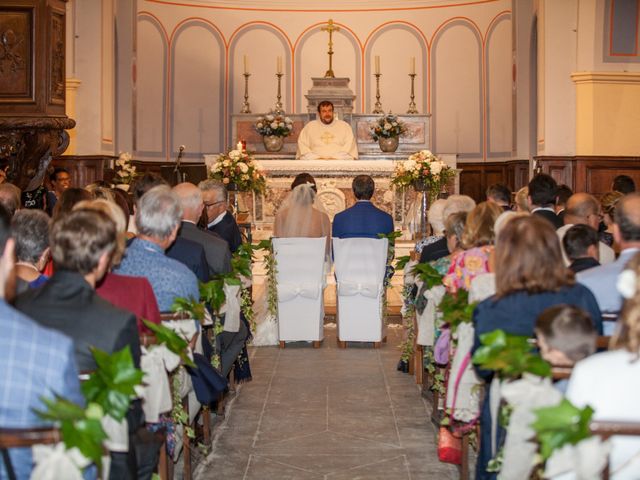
(53, 462)
(231, 308)
(427, 320)
(156, 391)
(289, 291)
(347, 288)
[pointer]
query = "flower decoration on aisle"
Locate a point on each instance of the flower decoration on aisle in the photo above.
(387, 126)
(240, 169)
(125, 172)
(423, 168)
(274, 124)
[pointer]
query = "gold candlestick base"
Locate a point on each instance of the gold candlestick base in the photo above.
(246, 108)
(412, 103)
(278, 108)
(378, 105)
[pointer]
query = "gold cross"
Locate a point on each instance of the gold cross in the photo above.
(331, 27)
(327, 138)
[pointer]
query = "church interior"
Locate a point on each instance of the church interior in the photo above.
(500, 90)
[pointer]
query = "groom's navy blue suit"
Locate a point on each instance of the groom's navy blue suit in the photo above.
(364, 219)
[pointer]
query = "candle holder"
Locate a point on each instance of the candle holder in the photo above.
(378, 105)
(278, 108)
(412, 103)
(245, 105)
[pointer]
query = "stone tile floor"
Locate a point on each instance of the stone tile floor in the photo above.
(326, 414)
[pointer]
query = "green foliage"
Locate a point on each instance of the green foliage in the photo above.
(263, 245)
(174, 342)
(509, 356)
(560, 425)
(428, 274)
(392, 236)
(80, 428)
(401, 262)
(241, 260)
(213, 294)
(190, 306)
(112, 385)
(456, 309)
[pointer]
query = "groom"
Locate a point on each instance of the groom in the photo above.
(364, 219)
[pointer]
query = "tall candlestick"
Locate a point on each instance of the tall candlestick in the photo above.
(246, 108)
(246, 64)
(378, 106)
(377, 64)
(412, 65)
(412, 103)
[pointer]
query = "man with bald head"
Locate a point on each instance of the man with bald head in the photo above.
(602, 280)
(215, 248)
(584, 209)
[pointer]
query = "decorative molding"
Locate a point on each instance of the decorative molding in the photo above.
(627, 78)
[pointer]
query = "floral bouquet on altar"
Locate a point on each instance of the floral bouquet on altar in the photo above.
(125, 172)
(239, 169)
(387, 126)
(274, 124)
(424, 171)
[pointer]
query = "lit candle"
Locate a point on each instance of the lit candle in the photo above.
(246, 64)
(412, 65)
(239, 146)
(377, 62)
(279, 64)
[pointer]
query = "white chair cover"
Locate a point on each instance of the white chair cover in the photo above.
(300, 281)
(360, 265)
(231, 308)
(156, 393)
(54, 462)
(430, 316)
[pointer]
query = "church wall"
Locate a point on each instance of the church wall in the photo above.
(189, 56)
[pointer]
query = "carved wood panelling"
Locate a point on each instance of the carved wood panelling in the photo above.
(476, 177)
(56, 85)
(16, 56)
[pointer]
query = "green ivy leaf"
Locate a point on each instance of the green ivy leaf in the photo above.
(193, 308)
(509, 355)
(428, 274)
(174, 342)
(456, 309)
(212, 293)
(264, 245)
(401, 262)
(560, 425)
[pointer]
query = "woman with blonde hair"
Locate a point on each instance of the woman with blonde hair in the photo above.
(609, 382)
(530, 277)
(129, 293)
(608, 203)
(521, 200)
(477, 244)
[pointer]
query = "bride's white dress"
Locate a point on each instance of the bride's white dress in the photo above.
(299, 216)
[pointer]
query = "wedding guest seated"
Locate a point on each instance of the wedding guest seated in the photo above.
(82, 243)
(301, 215)
(477, 246)
(521, 200)
(584, 209)
(60, 180)
(608, 203)
(609, 382)
(602, 280)
(68, 199)
(218, 217)
(436, 220)
(216, 250)
(185, 251)
(543, 191)
(453, 230)
(133, 294)
(158, 216)
(580, 244)
(565, 336)
(623, 184)
(564, 192)
(30, 229)
(500, 195)
(530, 277)
(10, 197)
(363, 219)
(438, 249)
(26, 378)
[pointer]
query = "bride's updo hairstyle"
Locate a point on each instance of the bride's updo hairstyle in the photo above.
(303, 178)
(627, 335)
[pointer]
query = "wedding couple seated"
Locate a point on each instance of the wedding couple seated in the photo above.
(302, 240)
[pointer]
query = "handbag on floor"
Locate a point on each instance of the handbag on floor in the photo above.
(449, 447)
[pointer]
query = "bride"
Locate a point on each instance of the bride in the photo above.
(300, 215)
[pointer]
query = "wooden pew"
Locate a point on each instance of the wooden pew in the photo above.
(22, 438)
(606, 430)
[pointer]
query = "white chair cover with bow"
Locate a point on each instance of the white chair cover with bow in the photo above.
(300, 280)
(360, 265)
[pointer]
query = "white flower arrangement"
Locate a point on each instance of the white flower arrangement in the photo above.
(425, 168)
(125, 172)
(239, 168)
(274, 124)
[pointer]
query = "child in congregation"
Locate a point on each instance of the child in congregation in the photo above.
(565, 336)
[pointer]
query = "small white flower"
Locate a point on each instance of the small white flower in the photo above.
(395, 124)
(235, 154)
(409, 164)
(243, 167)
(288, 120)
(269, 118)
(436, 168)
(260, 125)
(627, 283)
(225, 163)
(274, 125)
(387, 126)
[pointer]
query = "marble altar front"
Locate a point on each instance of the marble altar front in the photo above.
(333, 178)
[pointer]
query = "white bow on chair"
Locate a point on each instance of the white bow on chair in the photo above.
(231, 308)
(289, 291)
(347, 288)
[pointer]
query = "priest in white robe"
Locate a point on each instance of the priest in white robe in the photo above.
(327, 138)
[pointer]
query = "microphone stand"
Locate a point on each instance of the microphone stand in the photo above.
(176, 170)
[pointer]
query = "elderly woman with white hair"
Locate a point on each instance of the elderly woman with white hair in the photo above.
(436, 220)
